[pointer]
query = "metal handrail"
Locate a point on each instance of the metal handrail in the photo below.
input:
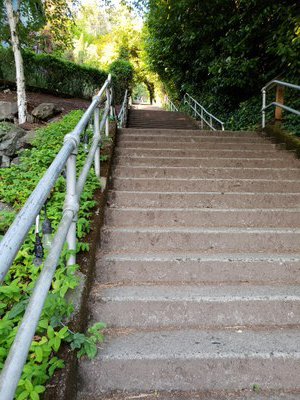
(169, 104)
(192, 103)
(279, 96)
(17, 232)
(122, 117)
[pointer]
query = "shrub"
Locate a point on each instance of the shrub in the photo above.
(16, 184)
(47, 72)
(122, 72)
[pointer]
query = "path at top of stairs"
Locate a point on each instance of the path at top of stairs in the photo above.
(198, 274)
(155, 118)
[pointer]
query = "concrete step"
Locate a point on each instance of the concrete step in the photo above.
(196, 152)
(195, 217)
(189, 306)
(207, 172)
(201, 133)
(157, 125)
(245, 394)
(195, 360)
(206, 185)
(168, 145)
(202, 200)
(202, 162)
(206, 240)
(198, 268)
(197, 139)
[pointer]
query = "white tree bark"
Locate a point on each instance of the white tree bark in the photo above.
(12, 20)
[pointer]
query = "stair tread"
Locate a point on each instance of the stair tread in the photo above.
(195, 293)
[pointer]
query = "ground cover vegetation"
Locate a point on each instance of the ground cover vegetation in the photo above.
(16, 184)
(223, 52)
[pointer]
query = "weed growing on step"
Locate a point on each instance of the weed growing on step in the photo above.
(16, 184)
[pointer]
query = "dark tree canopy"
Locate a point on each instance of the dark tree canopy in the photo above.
(228, 48)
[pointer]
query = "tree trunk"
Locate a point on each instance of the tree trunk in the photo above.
(22, 103)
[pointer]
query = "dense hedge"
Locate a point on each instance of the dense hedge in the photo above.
(54, 74)
(123, 72)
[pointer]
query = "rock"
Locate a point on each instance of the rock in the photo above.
(7, 91)
(28, 138)
(9, 139)
(5, 207)
(4, 161)
(45, 111)
(8, 110)
(15, 161)
(29, 119)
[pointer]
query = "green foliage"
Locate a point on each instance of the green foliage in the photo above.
(16, 184)
(124, 72)
(54, 74)
(87, 345)
(42, 25)
(31, 18)
(222, 50)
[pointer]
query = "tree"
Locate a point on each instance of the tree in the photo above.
(13, 18)
(19, 16)
(223, 50)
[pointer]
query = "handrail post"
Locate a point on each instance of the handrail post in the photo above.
(97, 134)
(264, 101)
(71, 198)
(210, 122)
(279, 99)
(111, 102)
(108, 106)
(202, 123)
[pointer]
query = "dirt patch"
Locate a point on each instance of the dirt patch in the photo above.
(66, 104)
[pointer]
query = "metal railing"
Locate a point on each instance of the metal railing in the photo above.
(278, 104)
(19, 229)
(199, 111)
(122, 117)
(170, 106)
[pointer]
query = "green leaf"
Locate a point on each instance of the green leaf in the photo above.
(28, 385)
(17, 309)
(39, 354)
(90, 348)
(23, 395)
(39, 389)
(34, 396)
(43, 324)
(50, 332)
(3, 352)
(63, 332)
(56, 344)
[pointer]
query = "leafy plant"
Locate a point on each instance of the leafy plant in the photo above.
(16, 184)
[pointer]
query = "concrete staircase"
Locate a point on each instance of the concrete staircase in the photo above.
(145, 117)
(198, 275)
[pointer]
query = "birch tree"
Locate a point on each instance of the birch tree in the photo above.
(13, 17)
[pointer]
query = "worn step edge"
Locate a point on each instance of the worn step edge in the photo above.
(197, 268)
(198, 359)
(183, 305)
(207, 217)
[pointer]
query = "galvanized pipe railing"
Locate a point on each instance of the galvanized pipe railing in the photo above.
(205, 116)
(122, 117)
(17, 232)
(169, 104)
(278, 104)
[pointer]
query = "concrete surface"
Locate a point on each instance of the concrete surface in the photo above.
(198, 271)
